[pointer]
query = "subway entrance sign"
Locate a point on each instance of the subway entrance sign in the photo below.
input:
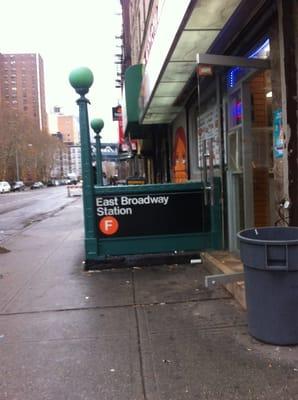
(151, 213)
(152, 219)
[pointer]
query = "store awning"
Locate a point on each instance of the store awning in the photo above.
(183, 31)
(131, 93)
(130, 105)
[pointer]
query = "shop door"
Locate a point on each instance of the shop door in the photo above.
(249, 162)
(239, 174)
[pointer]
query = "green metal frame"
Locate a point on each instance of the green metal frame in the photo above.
(134, 245)
(98, 248)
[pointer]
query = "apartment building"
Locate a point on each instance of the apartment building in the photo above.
(22, 86)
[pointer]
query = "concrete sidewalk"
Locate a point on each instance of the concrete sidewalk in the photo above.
(152, 333)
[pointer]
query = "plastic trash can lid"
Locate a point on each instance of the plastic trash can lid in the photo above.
(270, 234)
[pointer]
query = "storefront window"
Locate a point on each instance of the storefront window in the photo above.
(236, 111)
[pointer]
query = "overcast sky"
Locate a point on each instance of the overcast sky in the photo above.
(68, 34)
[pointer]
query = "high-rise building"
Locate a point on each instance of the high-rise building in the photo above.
(68, 156)
(22, 86)
(64, 124)
(67, 126)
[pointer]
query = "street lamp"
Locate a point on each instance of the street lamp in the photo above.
(97, 124)
(17, 165)
(81, 80)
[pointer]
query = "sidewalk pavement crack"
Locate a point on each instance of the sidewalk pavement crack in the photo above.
(141, 361)
(117, 306)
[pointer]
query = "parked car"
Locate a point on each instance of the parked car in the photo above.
(37, 185)
(18, 186)
(4, 187)
(53, 182)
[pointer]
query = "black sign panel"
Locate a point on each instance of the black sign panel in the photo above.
(116, 113)
(152, 214)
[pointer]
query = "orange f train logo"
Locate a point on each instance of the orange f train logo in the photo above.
(108, 225)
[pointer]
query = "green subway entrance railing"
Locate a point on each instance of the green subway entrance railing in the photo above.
(140, 219)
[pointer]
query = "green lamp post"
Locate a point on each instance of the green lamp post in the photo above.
(81, 80)
(97, 124)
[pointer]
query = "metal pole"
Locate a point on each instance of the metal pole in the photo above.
(17, 165)
(88, 182)
(81, 80)
(97, 124)
(99, 179)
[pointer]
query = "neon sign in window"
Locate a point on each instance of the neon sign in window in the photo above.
(235, 74)
(236, 110)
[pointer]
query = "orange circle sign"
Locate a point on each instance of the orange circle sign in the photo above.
(108, 225)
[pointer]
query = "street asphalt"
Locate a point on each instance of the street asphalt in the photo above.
(139, 333)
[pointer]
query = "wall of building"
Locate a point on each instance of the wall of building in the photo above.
(143, 19)
(1, 75)
(143, 15)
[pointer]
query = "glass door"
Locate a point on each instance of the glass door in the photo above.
(239, 176)
(235, 193)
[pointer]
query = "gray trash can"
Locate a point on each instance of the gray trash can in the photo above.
(270, 258)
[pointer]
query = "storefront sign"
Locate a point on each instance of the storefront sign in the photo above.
(151, 214)
(116, 113)
(278, 134)
(204, 70)
(208, 128)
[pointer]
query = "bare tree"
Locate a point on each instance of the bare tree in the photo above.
(26, 153)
